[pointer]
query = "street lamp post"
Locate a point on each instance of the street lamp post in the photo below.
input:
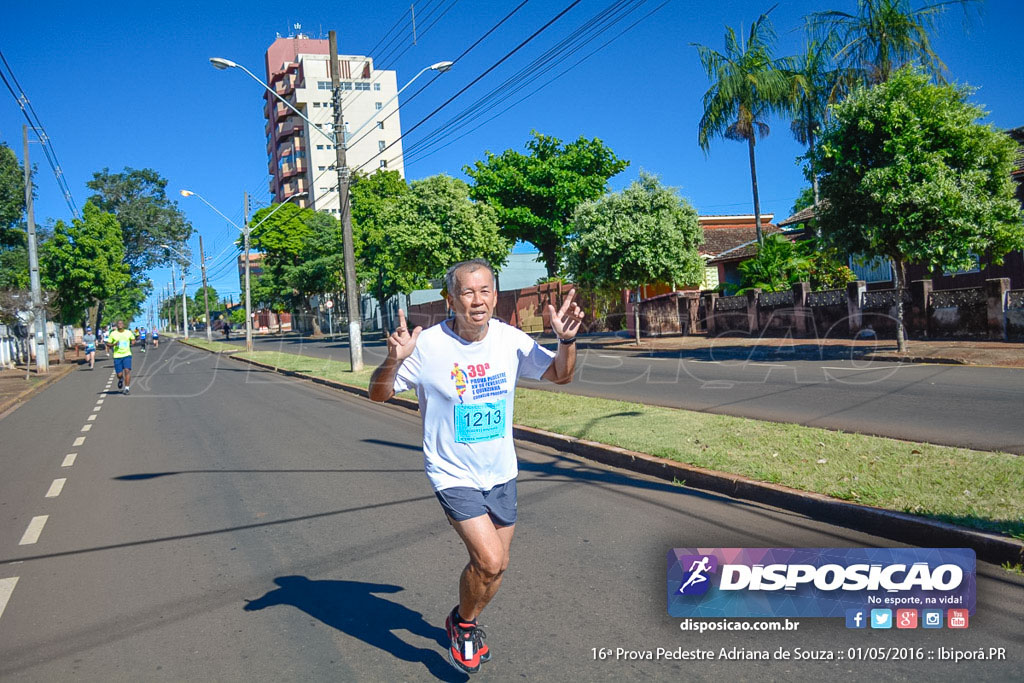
(355, 344)
(245, 237)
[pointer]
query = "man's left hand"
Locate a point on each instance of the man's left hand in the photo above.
(566, 320)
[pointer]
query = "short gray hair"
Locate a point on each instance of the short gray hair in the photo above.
(471, 265)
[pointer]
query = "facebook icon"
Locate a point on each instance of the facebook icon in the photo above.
(856, 618)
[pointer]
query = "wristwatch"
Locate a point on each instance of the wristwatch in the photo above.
(567, 341)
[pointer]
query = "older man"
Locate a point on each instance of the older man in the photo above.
(464, 371)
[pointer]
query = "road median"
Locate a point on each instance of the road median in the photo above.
(916, 493)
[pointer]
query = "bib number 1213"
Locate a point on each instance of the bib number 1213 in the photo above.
(477, 422)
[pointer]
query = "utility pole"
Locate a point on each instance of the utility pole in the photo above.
(206, 295)
(355, 339)
(184, 303)
(38, 312)
(248, 300)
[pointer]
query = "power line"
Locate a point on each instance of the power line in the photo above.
(418, 150)
(475, 80)
(37, 127)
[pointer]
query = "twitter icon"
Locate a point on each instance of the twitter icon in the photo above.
(881, 618)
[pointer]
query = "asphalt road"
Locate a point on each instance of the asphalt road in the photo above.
(224, 523)
(973, 407)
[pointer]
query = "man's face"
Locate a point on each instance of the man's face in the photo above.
(474, 297)
(120, 325)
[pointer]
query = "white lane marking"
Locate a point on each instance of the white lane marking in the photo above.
(69, 460)
(79, 441)
(6, 588)
(91, 418)
(96, 409)
(86, 428)
(99, 402)
(55, 488)
(35, 527)
(709, 362)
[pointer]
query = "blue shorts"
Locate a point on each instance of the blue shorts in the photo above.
(89, 348)
(122, 364)
(462, 503)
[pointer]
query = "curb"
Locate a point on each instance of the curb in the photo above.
(54, 376)
(898, 526)
(906, 358)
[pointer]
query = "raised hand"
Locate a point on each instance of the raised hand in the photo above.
(401, 343)
(566, 320)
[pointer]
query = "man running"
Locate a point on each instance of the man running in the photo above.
(142, 338)
(464, 371)
(122, 342)
(89, 340)
(156, 338)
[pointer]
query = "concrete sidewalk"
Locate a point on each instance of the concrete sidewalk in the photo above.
(1003, 354)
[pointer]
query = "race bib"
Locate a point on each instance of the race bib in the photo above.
(477, 422)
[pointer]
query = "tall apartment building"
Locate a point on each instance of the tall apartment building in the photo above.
(301, 159)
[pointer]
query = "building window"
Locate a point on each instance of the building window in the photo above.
(362, 86)
(381, 145)
(319, 146)
(378, 106)
(323, 85)
(320, 168)
(383, 163)
(376, 86)
(380, 125)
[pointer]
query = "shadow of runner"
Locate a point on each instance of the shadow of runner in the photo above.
(352, 608)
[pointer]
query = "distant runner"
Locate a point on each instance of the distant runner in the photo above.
(156, 338)
(122, 341)
(464, 371)
(89, 340)
(142, 338)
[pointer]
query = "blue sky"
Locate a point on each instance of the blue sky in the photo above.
(128, 84)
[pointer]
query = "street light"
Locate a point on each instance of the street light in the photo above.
(206, 288)
(245, 234)
(355, 342)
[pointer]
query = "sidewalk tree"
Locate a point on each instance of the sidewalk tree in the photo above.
(148, 219)
(536, 194)
(419, 235)
(911, 175)
(200, 303)
(13, 240)
(642, 235)
(83, 262)
(371, 194)
(883, 36)
(748, 84)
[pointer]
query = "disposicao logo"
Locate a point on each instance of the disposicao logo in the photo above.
(817, 582)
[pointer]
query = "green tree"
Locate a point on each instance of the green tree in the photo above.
(883, 36)
(126, 303)
(13, 240)
(82, 262)
(423, 232)
(536, 194)
(200, 303)
(370, 195)
(912, 175)
(747, 85)
(148, 219)
(815, 84)
(644, 234)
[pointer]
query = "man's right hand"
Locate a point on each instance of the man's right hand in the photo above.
(401, 343)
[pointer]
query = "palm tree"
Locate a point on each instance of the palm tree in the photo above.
(815, 84)
(885, 35)
(747, 85)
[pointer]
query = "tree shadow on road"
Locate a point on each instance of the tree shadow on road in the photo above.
(353, 608)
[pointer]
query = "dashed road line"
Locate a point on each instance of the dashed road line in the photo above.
(6, 588)
(69, 460)
(35, 527)
(97, 409)
(79, 441)
(91, 418)
(86, 428)
(56, 487)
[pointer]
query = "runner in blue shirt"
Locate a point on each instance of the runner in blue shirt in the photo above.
(89, 341)
(142, 338)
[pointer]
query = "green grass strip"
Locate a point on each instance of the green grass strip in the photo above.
(977, 489)
(211, 345)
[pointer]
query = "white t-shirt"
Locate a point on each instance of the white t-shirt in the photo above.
(466, 392)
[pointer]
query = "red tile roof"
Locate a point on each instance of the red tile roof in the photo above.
(728, 244)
